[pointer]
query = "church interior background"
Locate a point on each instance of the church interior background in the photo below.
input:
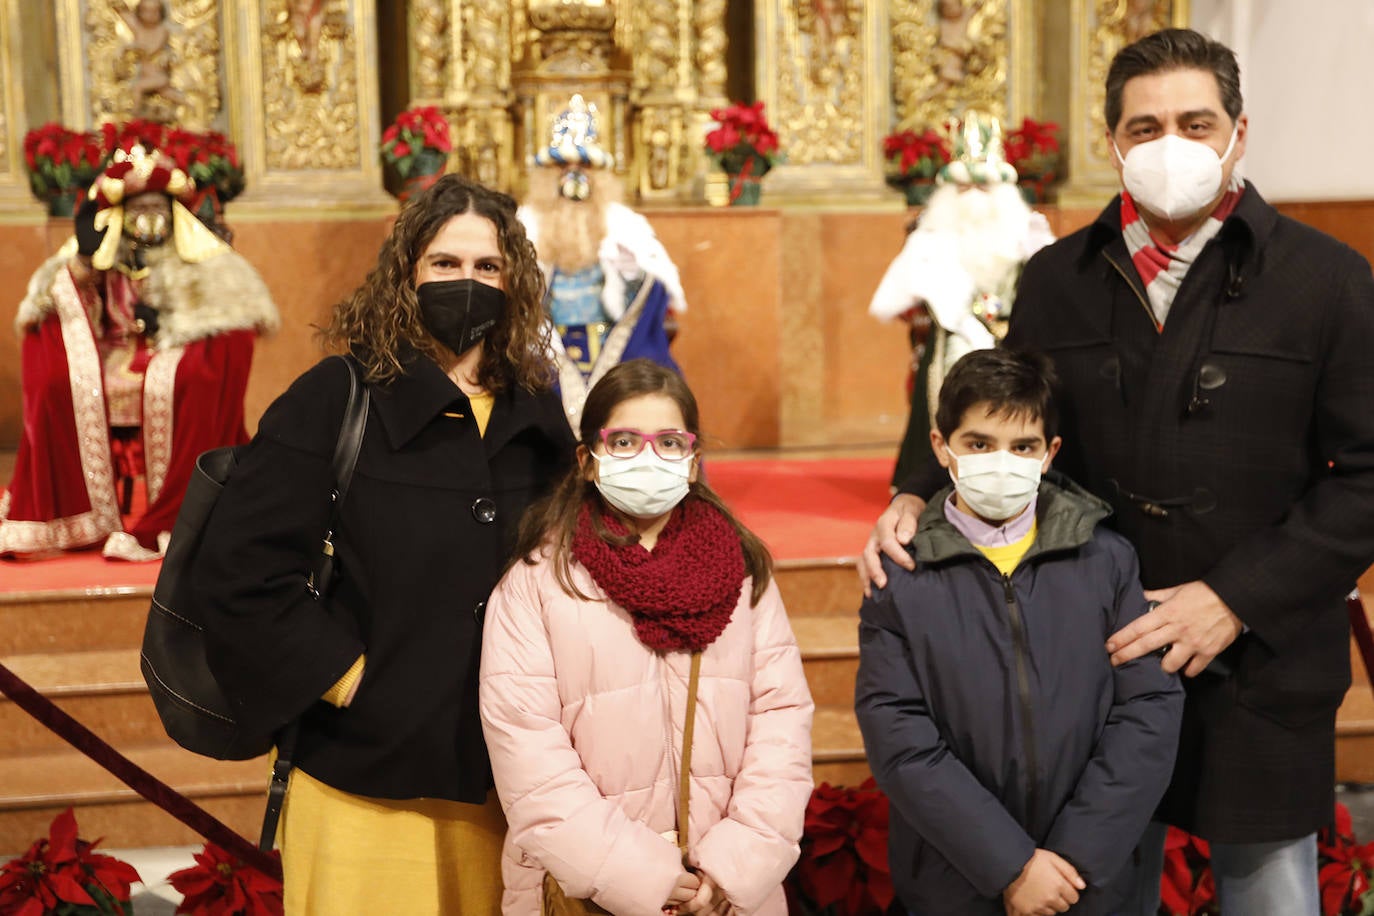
(777, 342)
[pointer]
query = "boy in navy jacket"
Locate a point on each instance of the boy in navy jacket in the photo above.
(1021, 766)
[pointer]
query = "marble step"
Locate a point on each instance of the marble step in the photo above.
(36, 787)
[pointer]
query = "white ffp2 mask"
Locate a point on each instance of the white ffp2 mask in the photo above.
(1173, 177)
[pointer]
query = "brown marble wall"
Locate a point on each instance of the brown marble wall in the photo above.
(777, 342)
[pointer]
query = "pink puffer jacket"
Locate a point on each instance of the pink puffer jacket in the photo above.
(584, 726)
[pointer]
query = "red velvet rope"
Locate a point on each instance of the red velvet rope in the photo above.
(134, 776)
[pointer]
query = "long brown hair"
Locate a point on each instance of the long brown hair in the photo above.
(382, 316)
(553, 520)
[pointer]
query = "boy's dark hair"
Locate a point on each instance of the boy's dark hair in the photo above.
(1174, 49)
(1015, 383)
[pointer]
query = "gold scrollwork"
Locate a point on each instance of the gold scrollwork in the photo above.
(429, 45)
(310, 85)
(711, 45)
(155, 59)
(821, 91)
(656, 38)
(948, 56)
(486, 49)
(1117, 23)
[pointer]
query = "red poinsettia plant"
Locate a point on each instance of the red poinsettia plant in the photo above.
(1033, 150)
(843, 868)
(61, 160)
(221, 885)
(742, 142)
(209, 158)
(915, 156)
(1345, 871)
(417, 142)
(62, 875)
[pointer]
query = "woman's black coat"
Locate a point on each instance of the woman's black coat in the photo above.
(426, 529)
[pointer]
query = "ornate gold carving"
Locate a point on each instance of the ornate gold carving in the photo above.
(708, 21)
(656, 58)
(948, 56)
(310, 85)
(429, 44)
(1117, 23)
(590, 15)
(821, 86)
(486, 48)
(156, 59)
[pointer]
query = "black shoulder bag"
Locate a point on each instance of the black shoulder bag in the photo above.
(194, 710)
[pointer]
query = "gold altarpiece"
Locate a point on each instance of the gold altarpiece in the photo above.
(295, 84)
(501, 70)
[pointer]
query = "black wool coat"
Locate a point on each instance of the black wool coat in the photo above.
(1236, 446)
(426, 528)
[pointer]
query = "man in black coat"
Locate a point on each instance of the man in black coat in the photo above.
(1217, 369)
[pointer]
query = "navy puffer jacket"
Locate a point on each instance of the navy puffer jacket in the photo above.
(993, 719)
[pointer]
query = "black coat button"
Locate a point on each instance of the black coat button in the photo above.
(479, 610)
(484, 510)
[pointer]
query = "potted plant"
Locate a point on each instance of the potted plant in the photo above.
(417, 146)
(745, 147)
(1033, 150)
(843, 868)
(62, 875)
(212, 161)
(915, 159)
(61, 163)
(221, 885)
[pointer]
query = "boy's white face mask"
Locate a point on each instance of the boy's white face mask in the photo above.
(1173, 177)
(996, 485)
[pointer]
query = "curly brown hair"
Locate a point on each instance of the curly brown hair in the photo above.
(382, 316)
(553, 520)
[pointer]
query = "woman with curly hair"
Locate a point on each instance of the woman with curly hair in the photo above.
(390, 807)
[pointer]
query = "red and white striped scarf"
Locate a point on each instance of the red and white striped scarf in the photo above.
(1161, 266)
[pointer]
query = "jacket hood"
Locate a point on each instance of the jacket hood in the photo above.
(1065, 516)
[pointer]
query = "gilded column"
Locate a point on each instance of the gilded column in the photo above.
(304, 92)
(16, 202)
(1098, 29)
(822, 71)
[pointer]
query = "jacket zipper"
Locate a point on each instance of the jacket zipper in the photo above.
(668, 724)
(1018, 636)
(1139, 298)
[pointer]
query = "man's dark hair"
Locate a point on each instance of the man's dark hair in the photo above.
(1013, 383)
(1174, 49)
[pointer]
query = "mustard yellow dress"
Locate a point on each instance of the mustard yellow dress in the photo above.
(346, 854)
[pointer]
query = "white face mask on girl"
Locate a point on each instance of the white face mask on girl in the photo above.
(1173, 177)
(996, 485)
(644, 486)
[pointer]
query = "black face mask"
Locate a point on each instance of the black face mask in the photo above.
(460, 313)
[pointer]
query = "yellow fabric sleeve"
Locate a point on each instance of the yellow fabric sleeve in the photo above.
(1006, 556)
(339, 692)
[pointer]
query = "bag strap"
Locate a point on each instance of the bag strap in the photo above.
(346, 450)
(684, 783)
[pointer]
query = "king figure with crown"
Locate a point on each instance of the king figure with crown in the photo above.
(613, 289)
(956, 274)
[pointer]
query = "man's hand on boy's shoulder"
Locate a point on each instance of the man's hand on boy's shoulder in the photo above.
(1047, 884)
(1191, 624)
(891, 533)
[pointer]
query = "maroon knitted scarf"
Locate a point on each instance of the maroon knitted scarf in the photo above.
(681, 595)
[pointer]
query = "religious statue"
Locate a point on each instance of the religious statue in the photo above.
(137, 338)
(953, 45)
(612, 285)
(302, 28)
(956, 275)
(146, 61)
